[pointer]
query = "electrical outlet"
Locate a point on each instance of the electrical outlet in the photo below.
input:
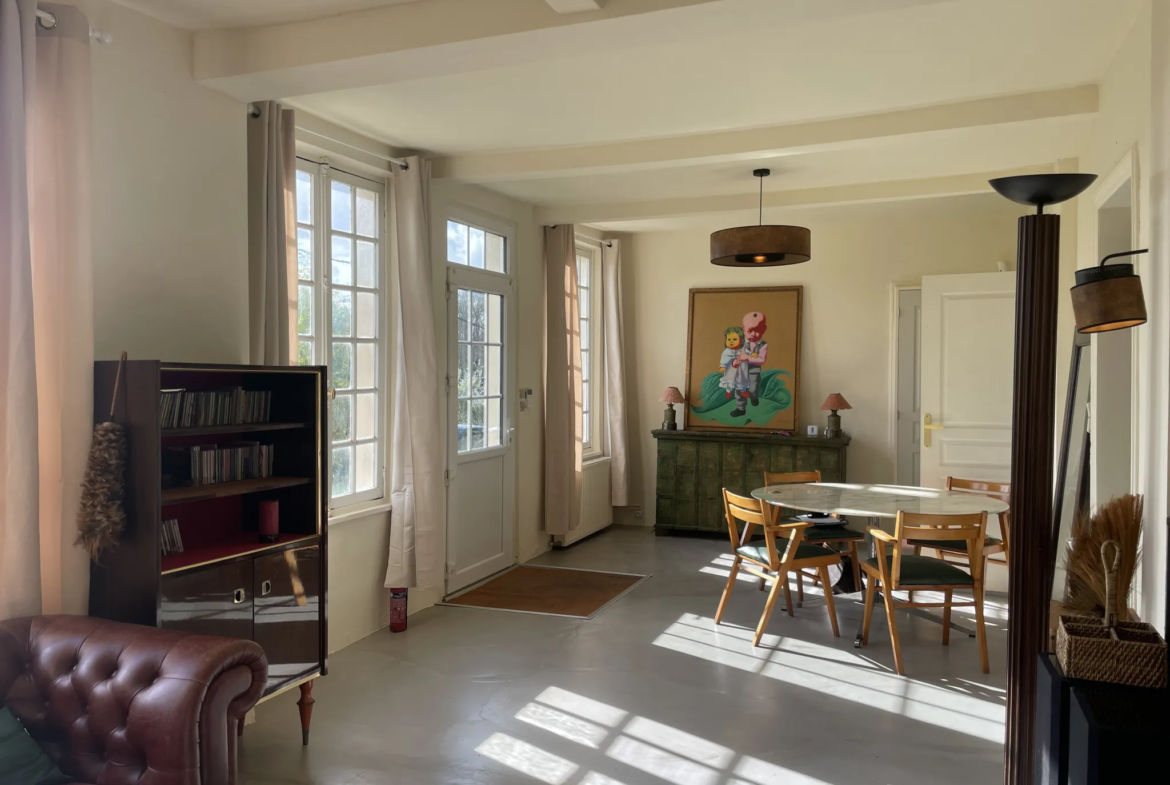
(637, 512)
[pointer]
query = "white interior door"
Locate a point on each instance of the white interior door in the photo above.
(968, 326)
(481, 465)
(968, 348)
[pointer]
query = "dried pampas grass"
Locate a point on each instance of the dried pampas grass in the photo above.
(1119, 520)
(102, 515)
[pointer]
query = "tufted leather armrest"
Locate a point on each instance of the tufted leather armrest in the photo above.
(129, 704)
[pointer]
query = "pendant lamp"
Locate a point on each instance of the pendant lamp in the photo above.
(761, 246)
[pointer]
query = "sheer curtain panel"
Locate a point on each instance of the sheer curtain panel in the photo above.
(418, 517)
(46, 306)
(563, 426)
(615, 374)
(272, 234)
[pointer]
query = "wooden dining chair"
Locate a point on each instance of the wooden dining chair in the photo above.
(765, 560)
(956, 551)
(896, 571)
(844, 537)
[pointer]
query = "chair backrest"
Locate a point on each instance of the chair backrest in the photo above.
(1000, 490)
(791, 478)
(752, 512)
(969, 527)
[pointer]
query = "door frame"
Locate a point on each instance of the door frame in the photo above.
(1126, 169)
(892, 374)
(456, 276)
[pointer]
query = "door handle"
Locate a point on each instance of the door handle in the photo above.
(238, 596)
(265, 588)
(929, 425)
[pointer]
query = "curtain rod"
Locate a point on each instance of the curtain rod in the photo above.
(48, 21)
(253, 111)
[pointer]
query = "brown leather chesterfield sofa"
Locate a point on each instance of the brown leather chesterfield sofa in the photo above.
(120, 703)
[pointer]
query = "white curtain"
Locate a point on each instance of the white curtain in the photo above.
(46, 306)
(272, 235)
(418, 515)
(615, 373)
(563, 428)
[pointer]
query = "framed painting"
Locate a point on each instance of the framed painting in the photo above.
(743, 359)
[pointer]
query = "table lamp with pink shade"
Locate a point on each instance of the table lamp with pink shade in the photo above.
(834, 403)
(670, 398)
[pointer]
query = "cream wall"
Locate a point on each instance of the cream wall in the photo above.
(1123, 125)
(858, 254)
(170, 236)
(169, 210)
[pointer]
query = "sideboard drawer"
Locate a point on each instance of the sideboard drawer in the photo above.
(214, 601)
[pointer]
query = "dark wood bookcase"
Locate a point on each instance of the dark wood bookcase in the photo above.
(226, 581)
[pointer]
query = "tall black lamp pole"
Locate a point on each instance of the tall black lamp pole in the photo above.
(1033, 431)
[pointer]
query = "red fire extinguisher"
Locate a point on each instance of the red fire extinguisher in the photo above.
(398, 610)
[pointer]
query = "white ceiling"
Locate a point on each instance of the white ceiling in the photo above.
(209, 14)
(766, 74)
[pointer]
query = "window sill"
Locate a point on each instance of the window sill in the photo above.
(360, 510)
(589, 460)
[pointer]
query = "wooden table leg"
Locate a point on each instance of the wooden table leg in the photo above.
(306, 706)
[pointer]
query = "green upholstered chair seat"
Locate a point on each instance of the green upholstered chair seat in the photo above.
(803, 551)
(925, 571)
(824, 533)
(954, 545)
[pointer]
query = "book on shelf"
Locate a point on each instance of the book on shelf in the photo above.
(172, 539)
(182, 408)
(207, 464)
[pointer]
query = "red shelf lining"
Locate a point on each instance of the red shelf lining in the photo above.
(226, 547)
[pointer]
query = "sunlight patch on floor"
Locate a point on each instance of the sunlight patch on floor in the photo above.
(526, 758)
(634, 742)
(838, 673)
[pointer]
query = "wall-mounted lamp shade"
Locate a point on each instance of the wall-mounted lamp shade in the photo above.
(761, 246)
(1107, 298)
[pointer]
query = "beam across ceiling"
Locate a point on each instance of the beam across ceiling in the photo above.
(751, 144)
(885, 191)
(407, 41)
(443, 37)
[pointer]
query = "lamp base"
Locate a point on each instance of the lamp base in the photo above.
(833, 426)
(668, 418)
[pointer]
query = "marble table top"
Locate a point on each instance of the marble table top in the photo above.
(876, 501)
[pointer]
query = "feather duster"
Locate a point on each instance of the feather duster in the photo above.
(102, 514)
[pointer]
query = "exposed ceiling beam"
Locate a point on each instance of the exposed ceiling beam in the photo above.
(886, 191)
(774, 141)
(443, 37)
(575, 6)
(408, 41)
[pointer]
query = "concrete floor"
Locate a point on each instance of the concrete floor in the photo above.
(649, 691)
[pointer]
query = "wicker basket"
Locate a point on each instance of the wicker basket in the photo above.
(1130, 653)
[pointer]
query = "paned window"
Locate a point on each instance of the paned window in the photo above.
(340, 301)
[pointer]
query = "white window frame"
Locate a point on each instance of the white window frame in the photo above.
(594, 443)
(322, 318)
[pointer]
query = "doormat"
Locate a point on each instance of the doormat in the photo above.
(553, 591)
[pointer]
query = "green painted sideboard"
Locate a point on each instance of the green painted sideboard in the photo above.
(695, 466)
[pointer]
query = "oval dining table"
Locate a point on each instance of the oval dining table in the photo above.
(878, 503)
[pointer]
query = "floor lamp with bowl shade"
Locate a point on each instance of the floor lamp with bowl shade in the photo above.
(1033, 436)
